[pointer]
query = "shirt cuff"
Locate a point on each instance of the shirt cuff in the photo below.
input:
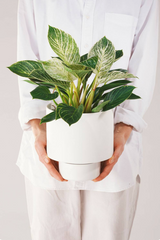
(31, 110)
(130, 118)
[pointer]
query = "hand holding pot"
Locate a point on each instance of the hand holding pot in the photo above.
(121, 135)
(39, 132)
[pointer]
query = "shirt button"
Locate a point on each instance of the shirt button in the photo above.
(87, 16)
(86, 45)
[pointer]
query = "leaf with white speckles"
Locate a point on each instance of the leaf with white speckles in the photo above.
(55, 68)
(105, 51)
(63, 45)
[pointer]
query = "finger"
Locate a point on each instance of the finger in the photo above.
(117, 153)
(55, 164)
(108, 165)
(54, 172)
(105, 172)
(40, 148)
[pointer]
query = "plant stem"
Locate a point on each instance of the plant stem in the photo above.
(78, 86)
(84, 95)
(70, 98)
(76, 93)
(80, 91)
(55, 102)
(89, 101)
(60, 94)
(90, 97)
(75, 99)
(65, 99)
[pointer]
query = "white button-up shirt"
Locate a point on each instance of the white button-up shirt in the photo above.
(132, 25)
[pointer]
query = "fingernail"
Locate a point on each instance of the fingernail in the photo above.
(94, 180)
(46, 160)
(111, 160)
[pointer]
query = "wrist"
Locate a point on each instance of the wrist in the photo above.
(123, 129)
(36, 126)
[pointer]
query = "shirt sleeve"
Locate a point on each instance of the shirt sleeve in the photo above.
(27, 49)
(143, 63)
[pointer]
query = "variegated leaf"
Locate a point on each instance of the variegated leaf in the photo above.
(30, 69)
(25, 68)
(55, 68)
(41, 83)
(105, 51)
(36, 73)
(77, 66)
(43, 76)
(77, 70)
(63, 45)
(30, 81)
(90, 62)
(117, 74)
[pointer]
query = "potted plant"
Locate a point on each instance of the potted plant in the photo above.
(80, 127)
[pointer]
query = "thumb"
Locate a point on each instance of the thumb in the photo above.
(117, 153)
(41, 151)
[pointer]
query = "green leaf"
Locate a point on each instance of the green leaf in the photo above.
(70, 114)
(84, 57)
(119, 69)
(117, 96)
(43, 93)
(48, 118)
(134, 96)
(100, 90)
(119, 54)
(100, 106)
(40, 83)
(85, 79)
(30, 81)
(90, 62)
(25, 68)
(105, 51)
(57, 112)
(55, 68)
(77, 70)
(34, 70)
(43, 76)
(63, 45)
(57, 58)
(77, 66)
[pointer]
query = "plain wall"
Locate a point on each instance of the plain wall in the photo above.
(13, 211)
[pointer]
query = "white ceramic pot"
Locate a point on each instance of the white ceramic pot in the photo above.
(81, 147)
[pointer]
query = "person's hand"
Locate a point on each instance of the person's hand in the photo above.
(39, 132)
(121, 135)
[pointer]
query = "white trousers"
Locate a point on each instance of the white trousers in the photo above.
(80, 214)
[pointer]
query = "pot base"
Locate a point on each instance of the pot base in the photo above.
(79, 172)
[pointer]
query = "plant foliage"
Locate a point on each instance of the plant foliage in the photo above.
(67, 75)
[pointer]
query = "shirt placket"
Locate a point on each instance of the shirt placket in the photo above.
(87, 26)
(86, 44)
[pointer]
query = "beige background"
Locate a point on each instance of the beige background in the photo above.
(13, 213)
